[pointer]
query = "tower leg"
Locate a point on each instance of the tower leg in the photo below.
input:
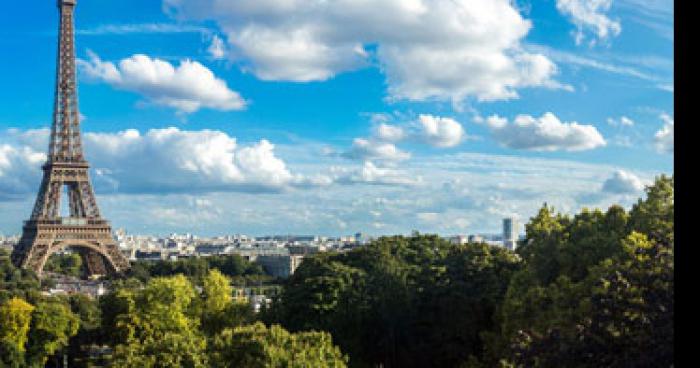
(93, 262)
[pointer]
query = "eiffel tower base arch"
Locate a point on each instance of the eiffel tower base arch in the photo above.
(94, 242)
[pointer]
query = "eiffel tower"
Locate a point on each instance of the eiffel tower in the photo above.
(66, 169)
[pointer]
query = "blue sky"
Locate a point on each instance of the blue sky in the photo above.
(331, 117)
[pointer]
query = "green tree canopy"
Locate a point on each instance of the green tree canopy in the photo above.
(154, 326)
(15, 317)
(400, 301)
(218, 310)
(256, 346)
(53, 324)
(629, 319)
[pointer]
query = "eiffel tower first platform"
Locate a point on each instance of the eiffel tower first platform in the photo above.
(66, 169)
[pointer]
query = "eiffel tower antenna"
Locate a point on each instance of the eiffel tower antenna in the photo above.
(47, 232)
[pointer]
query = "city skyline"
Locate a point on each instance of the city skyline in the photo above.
(207, 119)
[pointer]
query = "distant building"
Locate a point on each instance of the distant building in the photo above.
(210, 249)
(302, 249)
(69, 286)
(510, 233)
(149, 255)
(279, 265)
(476, 239)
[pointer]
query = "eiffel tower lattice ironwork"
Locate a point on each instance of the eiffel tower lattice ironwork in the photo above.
(66, 169)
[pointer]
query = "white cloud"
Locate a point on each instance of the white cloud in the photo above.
(428, 49)
(546, 133)
(367, 149)
(217, 48)
(590, 15)
(623, 182)
(664, 137)
(187, 87)
(369, 173)
(158, 161)
(441, 132)
(626, 121)
(390, 133)
(175, 160)
(622, 121)
(657, 15)
(436, 131)
(647, 68)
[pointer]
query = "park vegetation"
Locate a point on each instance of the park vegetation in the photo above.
(590, 290)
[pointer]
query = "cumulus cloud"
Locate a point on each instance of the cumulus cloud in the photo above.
(367, 149)
(390, 133)
(664, 137)
(440, 132)
(590, 15)
(436, 131)
(623, 182)
(428, 49)
(159, 161)
(175, 160)
(546, 133)
(188, 87)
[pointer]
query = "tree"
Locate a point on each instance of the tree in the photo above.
(216, 292)
(15, 319)
(545, 234)
(257, 346)
(400, 301)
(233, 266)
(654, 214)
(53, 324)
(218, 310)
(17, 282)
(68, 264)
(460, 311)
(89, 333)
(156, 327)
(629, 322)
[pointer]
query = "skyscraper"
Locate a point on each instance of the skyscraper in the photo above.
(510, 233)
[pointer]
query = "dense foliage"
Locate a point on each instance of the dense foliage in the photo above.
(256, 346)
(15, 281)
(70, 264)
(401, 302)
(237, 268)
(168, 323)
